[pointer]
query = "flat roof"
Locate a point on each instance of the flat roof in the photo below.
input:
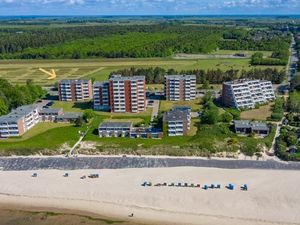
(51, 110)
(250, 124)
(69, 116)
(177, 113)
(70, 81)
(115, 125)
(118, 77)
(181, 76)
(241, 81)
(18, 113)
(99, 84)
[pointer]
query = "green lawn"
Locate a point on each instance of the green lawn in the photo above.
(262, 113)
(51, 139)
(167, 105)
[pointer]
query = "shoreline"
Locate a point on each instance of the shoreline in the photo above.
(118, 193)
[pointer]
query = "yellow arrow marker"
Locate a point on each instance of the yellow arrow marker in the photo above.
(52, 74)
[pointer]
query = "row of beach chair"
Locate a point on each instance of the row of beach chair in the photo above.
(244, 187)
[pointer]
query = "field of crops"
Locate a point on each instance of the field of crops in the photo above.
(18, 71)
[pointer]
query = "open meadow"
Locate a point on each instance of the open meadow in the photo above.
(18, 71)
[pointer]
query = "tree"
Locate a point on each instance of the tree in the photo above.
(226, 117)
(205, 84)
(88, 115)
(79, 122)
(294, 102)
(3, 107)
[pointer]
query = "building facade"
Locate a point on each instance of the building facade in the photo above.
(19, 121)
(247, 93)
(121, 94)
(177, 121)
(50, 114)
(75, 90)
(115, 129)
(180, 87)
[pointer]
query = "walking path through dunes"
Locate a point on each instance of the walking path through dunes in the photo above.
(115, 162)
(273, 196)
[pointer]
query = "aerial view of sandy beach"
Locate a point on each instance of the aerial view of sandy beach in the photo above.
(149, 112)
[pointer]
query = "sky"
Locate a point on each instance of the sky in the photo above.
(148, 7)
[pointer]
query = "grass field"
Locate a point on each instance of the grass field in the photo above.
(262, 113)
(167, 105)
(18, 71)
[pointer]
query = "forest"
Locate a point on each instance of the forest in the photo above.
(155, 75)
(134, 41)
(13, 96)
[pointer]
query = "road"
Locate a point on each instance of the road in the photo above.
(61, 163)
(155, 108)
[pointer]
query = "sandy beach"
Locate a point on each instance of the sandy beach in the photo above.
(273, 196)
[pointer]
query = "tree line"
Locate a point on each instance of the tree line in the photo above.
(135, 41)
(155, 75)
(13, 96)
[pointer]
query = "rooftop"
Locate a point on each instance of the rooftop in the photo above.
(115, 125)
(177, 113)
(70, 116)
(18, 113)
(73, 81)
(180, 77)
(241, 81)
(118, 77)
(250, 124)
(51, 110)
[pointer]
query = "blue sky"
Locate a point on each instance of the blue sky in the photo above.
(147, 7)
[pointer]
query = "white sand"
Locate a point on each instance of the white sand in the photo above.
(273, 196)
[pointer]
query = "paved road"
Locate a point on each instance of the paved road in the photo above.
(27, 163)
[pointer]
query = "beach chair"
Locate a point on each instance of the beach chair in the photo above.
(218, 186)
(212, 186)
(179, 185)
(171, 185)
(192, 185)
(66, 175)
(144, 184)
(34, 175)
(198, 186)
(150, 184)
(157, 185)
(244, 187)
(83, 177)
(186, 185)
(205, 187)
(230, 187)
(164, 184)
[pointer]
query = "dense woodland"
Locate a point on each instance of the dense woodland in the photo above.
(155, 75)
(136, 41)
(13, 96)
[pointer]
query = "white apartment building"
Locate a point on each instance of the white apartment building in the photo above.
(19, 121)
(180, 87)
(75, 90)
(177, 121)
(247, 93)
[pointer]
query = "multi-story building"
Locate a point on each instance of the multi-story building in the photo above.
(180, 87)
(101, 96)
(177, 121)
(75, 90)
(50, 114)
(247, 93)
(19, 121)
(121, 94)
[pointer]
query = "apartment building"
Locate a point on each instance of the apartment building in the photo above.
(121, 94)
(180, 87)
(19, 121)
(50, 114)
(115, 129)
(247, 93)
(101, 96)
(177, 121)
(75, 90)
(246, 127)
